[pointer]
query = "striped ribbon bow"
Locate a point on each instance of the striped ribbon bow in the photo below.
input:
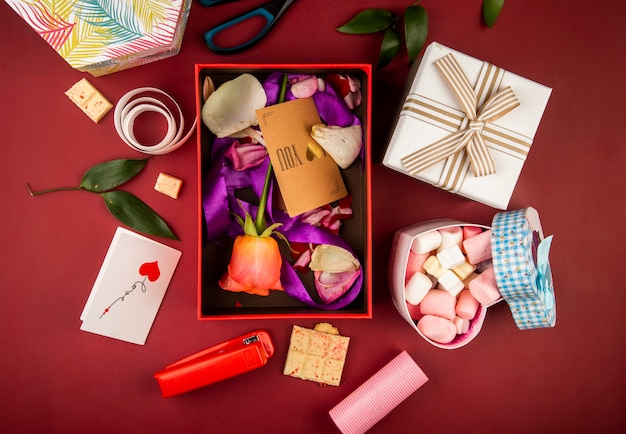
(469, 137)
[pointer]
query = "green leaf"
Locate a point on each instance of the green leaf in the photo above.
(108, 175)
(134, 213)
(389, 48)
(415, 30)
(368, 21)
(491, 11)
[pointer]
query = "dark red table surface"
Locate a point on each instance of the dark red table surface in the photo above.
(55, 378)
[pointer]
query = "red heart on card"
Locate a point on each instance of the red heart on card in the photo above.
(151, 270)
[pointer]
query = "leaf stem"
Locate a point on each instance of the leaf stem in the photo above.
(259, 222)
(50, 190)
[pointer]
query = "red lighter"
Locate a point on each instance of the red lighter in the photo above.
(228, 359)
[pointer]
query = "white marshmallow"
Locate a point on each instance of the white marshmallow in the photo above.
(417, 287)
(452, 236)
(451, 257)
(426, 242)
(451, 283)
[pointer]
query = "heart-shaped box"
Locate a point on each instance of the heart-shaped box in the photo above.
(521, 268)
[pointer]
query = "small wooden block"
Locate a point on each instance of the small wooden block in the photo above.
(89, 100)
(168, 185)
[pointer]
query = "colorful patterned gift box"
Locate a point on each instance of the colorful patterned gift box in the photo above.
(102, 37)
(466, 126)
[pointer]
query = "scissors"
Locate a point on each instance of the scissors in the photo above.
(270, 12)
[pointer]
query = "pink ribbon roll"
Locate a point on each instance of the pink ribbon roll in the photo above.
(375, 398)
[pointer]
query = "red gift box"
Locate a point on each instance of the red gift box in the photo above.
(216, 303)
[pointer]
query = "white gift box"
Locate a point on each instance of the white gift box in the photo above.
(432, 112)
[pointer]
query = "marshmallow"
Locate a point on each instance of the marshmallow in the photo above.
(464, 270)
(438, 302)
(426, 242)
(437, 329)
(414, 311)
(415, 263)
(417, 287)
(451, 257)
(433, 267)
(484, 288)
(467, 305)
(451, 283)
(452, 236)
(478, 248)
(471, 231)
(468, 279)
(462, 325)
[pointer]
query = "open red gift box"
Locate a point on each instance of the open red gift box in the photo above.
(216, 303)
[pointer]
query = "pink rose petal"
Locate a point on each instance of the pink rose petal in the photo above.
(246, 155)
(331, 286)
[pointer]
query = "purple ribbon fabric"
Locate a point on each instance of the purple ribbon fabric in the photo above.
(222, 181)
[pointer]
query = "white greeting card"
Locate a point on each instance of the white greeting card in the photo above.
(130, 287)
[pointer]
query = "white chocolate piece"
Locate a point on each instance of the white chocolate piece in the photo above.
(438, 329)
(89, 100)
(439, 303)
(168, 185)
(433, 267)
(417, 287)
(462, 325)
(464, 270)
(452, 236)
(466, 305)
(451, 283)
(426, 242)
(451, 257)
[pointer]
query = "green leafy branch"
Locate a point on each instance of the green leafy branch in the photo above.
(103, 178)
(414, 21)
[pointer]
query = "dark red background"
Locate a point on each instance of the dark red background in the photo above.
(55, 378)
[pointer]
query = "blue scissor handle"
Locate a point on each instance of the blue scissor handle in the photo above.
(270, 12)
(260, 12)
(212, 2)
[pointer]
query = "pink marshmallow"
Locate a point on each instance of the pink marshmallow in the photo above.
(484, 287)
(471, 231)
(462, 325)
(437, 329)
(414, 311)
(415, 264)
(469, 278)
(467, 305)
(478, 248)
(440, 303)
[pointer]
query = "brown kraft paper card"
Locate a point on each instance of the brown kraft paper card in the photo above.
(306, 182)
